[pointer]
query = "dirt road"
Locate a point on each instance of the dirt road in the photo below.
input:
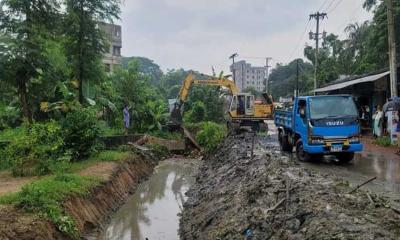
(270, 195)
(372, 162)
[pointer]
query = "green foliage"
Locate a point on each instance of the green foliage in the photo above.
(197, 114)
(80, 131)
(110, 156)
(9, 116)
(161, 152)
(146, 67)
(36, 151)
(283, 78)
(24, 26)
(383, 141)
(212, 99)
(11, 133)
(149, 110)
(211, 135)
(46, 195)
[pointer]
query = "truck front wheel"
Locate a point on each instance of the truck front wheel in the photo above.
(300, 153)
(345, 157)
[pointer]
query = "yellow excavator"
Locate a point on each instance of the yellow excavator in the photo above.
(244, 110)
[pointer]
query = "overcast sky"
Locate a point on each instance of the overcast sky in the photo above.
(198, 34)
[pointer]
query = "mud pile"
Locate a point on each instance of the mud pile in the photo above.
(270, 196)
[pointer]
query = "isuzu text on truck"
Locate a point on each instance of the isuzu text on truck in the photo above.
(320, 125)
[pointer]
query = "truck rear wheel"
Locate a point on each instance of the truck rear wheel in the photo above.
(301, 154)
(345, 157)
(286, 146)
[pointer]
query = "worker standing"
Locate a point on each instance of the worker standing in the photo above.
(127, 118)
(378, 117)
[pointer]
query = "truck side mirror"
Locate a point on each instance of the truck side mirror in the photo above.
(302, 113)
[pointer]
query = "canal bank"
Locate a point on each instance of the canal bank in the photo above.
(88, 211)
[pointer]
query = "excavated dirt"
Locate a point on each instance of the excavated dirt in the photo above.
(120, 180)
(270, 196)
(18, 225)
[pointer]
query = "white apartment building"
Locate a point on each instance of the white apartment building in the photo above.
(113, 33)
(248, 76)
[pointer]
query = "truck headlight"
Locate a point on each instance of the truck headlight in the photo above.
(354, 139)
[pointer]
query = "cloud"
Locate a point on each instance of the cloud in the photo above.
(199, 34)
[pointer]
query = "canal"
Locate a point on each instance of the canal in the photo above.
(152, 212)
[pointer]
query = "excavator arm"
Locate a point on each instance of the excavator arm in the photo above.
(177, 112)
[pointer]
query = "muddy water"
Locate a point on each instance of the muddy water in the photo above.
(152, 212)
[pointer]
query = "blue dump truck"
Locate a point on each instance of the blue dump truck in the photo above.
(320, 125)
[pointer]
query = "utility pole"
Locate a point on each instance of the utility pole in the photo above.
(317, 16)
(233, 56)
(297, 78)
(392, 49)
(267, 66)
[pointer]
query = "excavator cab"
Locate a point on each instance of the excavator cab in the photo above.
(242, 104)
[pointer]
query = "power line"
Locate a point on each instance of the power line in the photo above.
(300, 39)
(253, 57)
(353, 15)
(323, 4)
(337, 4)
(330, 4)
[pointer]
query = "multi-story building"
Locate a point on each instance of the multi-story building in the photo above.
(114, 35)
(248, 76)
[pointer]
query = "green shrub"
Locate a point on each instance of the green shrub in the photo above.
(211, 135)
(160, 151)
(383, 141)
(81, 131)
(46, 195)
(9, 116)
(9, 134)
(197, 114)
(36, 151)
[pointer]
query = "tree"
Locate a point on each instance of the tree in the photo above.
(146, 66)
(85, 40)
(283, 78)
(24, 26)
(251, 90)
(132, 87)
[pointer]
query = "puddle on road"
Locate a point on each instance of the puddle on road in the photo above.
(152, 212)
(383, 166)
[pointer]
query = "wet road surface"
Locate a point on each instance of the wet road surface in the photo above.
(367, 164)
(152, 212)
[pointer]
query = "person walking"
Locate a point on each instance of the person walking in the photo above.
(127, 118)
(377, 120)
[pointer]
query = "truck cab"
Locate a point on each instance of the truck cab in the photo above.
(320, 125)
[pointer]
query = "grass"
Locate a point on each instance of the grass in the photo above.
(112, 131)
(11, 133)
(110, 156)
(104, 156)
(45, 196)
(383, 141)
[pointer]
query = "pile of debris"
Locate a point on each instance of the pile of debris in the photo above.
(267, 195)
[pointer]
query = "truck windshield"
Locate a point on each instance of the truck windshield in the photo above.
(332, 107)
